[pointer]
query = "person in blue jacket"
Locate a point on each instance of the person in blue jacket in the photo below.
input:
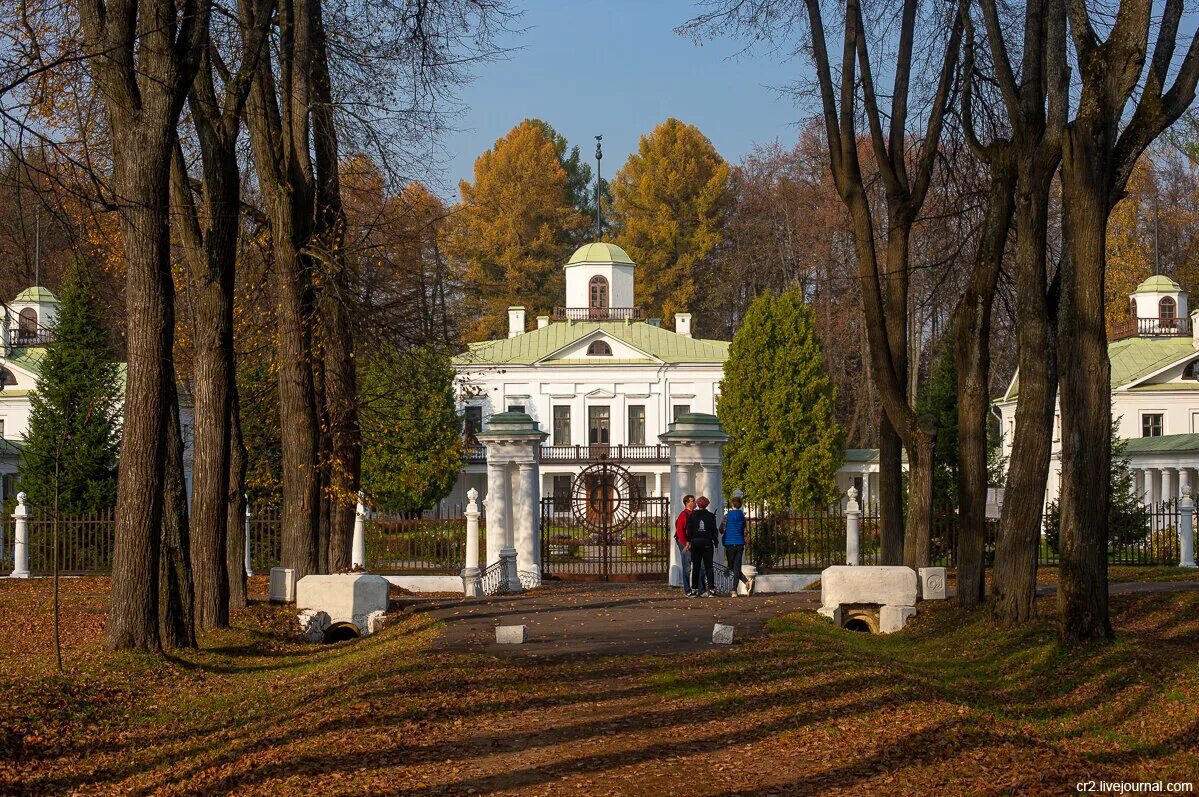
(732, 534)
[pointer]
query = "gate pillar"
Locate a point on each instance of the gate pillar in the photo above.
(512, 441)
(696, 441)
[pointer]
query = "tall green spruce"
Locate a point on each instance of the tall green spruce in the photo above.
(74, 426)
(777, 402)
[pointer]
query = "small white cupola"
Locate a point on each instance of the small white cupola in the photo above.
(30, 316)
(599, 279)
(1158, 298)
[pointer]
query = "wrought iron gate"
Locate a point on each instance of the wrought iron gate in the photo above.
(605, 529)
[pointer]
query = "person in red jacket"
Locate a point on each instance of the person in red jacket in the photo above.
(680, 539)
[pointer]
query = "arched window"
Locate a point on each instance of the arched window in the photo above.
(598, 293)
(599, 348)
(27, 324)
(1165, 308)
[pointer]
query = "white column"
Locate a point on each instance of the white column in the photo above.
(710, 486)
(853, 520)
(20, 552)
(358, 547)
(1153, 491)
(1169, 484)
(472, 585)
(249, 553)
(528, 514)
(497, 510)
(678, 489)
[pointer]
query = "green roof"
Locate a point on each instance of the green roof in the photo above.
(599, 253)
(1163, 444)
(28, 358)
(1158, 283)
(531, 347)
(36, 294)
(1135, 358)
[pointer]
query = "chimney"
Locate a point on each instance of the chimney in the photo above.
(516, 321)
(543, 321)
(682, 324)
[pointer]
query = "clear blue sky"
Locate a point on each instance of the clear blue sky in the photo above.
(616, 67)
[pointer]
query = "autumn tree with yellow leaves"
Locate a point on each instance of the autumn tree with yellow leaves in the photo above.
(513, 230)
(670, 202)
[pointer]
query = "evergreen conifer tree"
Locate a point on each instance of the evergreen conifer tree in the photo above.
(778, 403)
(74, 425)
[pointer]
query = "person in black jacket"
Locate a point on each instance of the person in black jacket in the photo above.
(701, 536)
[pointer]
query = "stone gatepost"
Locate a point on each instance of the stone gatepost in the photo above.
(20, 548)
(358, 547)
(853, 525)
(696, 441)
(249, 551)
(513, 440)
(1186, 527)
(472, 584)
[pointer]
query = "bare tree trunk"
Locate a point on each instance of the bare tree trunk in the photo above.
(278, 119)
(1014, 582)
(143, 56)
(235, 508)
(176, 604)
(890, 493)
(337, 342)
(1085, 402)
(972, 358)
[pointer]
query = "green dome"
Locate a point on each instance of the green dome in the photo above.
(1158, 283)
(36, 294)
(599, 253)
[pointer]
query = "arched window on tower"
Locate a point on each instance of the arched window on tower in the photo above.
(597, 293)
(599, 348)
(1166, 308)
(27, 325)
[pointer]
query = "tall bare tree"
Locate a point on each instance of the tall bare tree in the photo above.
(1035, 105)
(1098, 156)
(208, 231)
(143, 55)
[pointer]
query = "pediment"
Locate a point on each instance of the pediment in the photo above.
(577, 351)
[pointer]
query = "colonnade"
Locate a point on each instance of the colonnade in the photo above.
(1161, 485)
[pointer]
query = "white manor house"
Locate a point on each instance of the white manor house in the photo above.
(1154, 357)
(24, 332)
(601, 380)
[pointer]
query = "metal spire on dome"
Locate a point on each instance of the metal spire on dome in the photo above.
(599, 182)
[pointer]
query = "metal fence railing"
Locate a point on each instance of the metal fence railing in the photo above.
(807, 541)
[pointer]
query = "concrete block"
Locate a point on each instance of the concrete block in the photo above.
(313, 625)
(345, 597)
(722, 634)
(932, 583)
(510, 634)
(283, 585)
(833, 613)
(893, 618)
(374, 622)
(765, 583)
(881, 585)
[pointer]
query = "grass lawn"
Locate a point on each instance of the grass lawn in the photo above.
(951, 705)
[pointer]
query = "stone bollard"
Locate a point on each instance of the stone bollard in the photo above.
(472, 582)
(853, 525)
(20, 548)
(358, 549)
(511, 577)
(1186, 528)
(249, 553)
